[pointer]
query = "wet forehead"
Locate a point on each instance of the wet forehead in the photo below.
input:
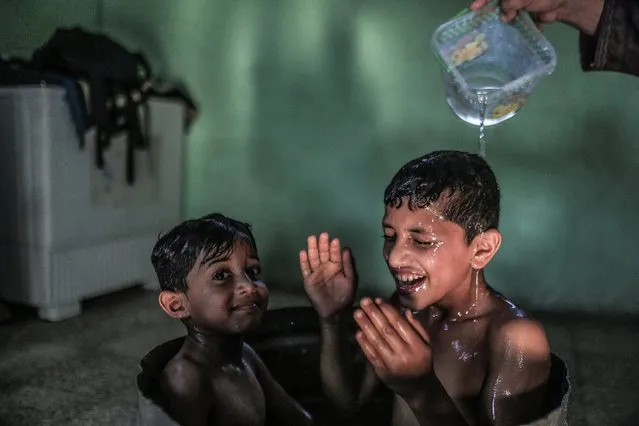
(427, 220)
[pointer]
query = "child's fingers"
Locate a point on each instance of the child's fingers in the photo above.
(324, 255)
(387, 332)
(404, 330)
(347, 263)
(313, 252)
(305, 266)
(335, 254)
(372, 334)
(369, 351)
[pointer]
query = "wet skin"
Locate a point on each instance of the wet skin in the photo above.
(467, 356)
(217, 379)
(482, 369)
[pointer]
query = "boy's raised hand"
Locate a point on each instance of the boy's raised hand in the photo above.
(330, 279)
(397, 347)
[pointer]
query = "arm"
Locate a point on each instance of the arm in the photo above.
(609, 39)
(330, 281)
(519, 368)
(335, 362)
(188, 394)
(335, 367)
(280, 407)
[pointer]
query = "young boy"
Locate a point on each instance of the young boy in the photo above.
(459, 353)
(209, 272)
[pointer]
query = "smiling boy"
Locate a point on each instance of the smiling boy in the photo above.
(453, 350)
(210, 275)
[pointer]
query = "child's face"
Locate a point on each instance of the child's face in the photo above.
(228, 296)
(427, 256)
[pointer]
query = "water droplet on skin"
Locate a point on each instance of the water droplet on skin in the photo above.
(462, 353)
(423, 286)
(435, 212)
(473, 308)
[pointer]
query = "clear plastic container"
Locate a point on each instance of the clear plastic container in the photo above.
(489, 66)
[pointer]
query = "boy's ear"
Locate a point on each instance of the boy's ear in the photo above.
(174, 304)
(486, 246)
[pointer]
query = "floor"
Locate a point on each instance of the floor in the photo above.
(81, 371)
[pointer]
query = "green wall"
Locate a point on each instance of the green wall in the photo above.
(308, 107)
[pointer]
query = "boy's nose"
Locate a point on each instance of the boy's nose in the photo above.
(245, 285)
(397, 255)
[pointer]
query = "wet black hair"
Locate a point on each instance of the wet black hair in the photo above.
(176, 252)
(464, 182)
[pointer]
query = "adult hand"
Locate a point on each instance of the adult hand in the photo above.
(583, 14)
(543, 10)
(396, 347)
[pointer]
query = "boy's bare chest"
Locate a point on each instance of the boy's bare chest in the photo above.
(460, 359)
(239, 399)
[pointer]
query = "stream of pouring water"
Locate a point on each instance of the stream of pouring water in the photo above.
(482, 117)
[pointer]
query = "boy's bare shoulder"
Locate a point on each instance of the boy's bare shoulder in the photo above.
(513, 328)
(184, 378)
(249, 353)
(187, 391)
(253, 359)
